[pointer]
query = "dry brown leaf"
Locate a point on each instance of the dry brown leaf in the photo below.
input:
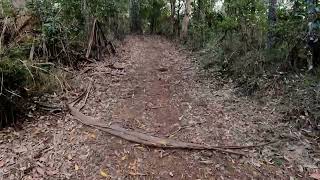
(21, 149)
(43, 159)
(163, 142)
(51, 173)
(92, 135)
(136, 174)
(315, 176)
(104, 173)
(124, 157)
(2, 163)
(76, 167)
(40, 171)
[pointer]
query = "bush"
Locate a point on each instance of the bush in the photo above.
(21, 80)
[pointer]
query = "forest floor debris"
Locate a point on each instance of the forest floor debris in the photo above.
(189, 104)
(145, 139)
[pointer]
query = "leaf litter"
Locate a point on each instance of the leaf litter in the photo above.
(155, 88)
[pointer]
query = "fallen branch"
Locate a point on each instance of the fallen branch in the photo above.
(148, 140)
(144, 139)
(141, 138)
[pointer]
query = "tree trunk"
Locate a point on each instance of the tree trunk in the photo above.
(136, 25)
(201, 10)
(272, 19)
(173, 12)
(313, 34)
(87, 19)
(186, 19)
(178, 18)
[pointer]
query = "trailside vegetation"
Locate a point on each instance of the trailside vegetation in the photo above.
(261, 45)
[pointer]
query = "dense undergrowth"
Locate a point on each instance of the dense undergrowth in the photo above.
(233, 44)
(262, 46)
(41, 39)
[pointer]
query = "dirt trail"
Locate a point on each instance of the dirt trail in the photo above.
(153, 87)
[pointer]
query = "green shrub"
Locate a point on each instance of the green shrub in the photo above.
(19, 81)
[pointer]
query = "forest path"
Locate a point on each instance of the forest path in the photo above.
(152, 87)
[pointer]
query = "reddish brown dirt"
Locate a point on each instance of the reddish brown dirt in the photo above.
(158, 91)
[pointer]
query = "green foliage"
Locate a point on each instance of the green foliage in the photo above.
(240, 32)
(68, 18)
(14, 74)
(19, 81)
(20, 74)
(150, 15)
(235, 37)
(6, 8)
(228, 23)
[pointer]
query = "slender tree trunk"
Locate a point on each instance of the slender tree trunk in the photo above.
(178, 18)
(173, 12)
(136, 26)
(313, 34)
(272, 19)
(201, 11)
(186, 19)
(87, 19)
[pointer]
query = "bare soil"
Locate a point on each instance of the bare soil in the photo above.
(155, 87)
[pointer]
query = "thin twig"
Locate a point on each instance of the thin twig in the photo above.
(182, 128)
(1, 83)
(61, 85)
(3, 31)
(86, 97)
(78, 99)
(13, 93)
(252, 146)
(34, 82)
(56, 77)
(32, 51)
